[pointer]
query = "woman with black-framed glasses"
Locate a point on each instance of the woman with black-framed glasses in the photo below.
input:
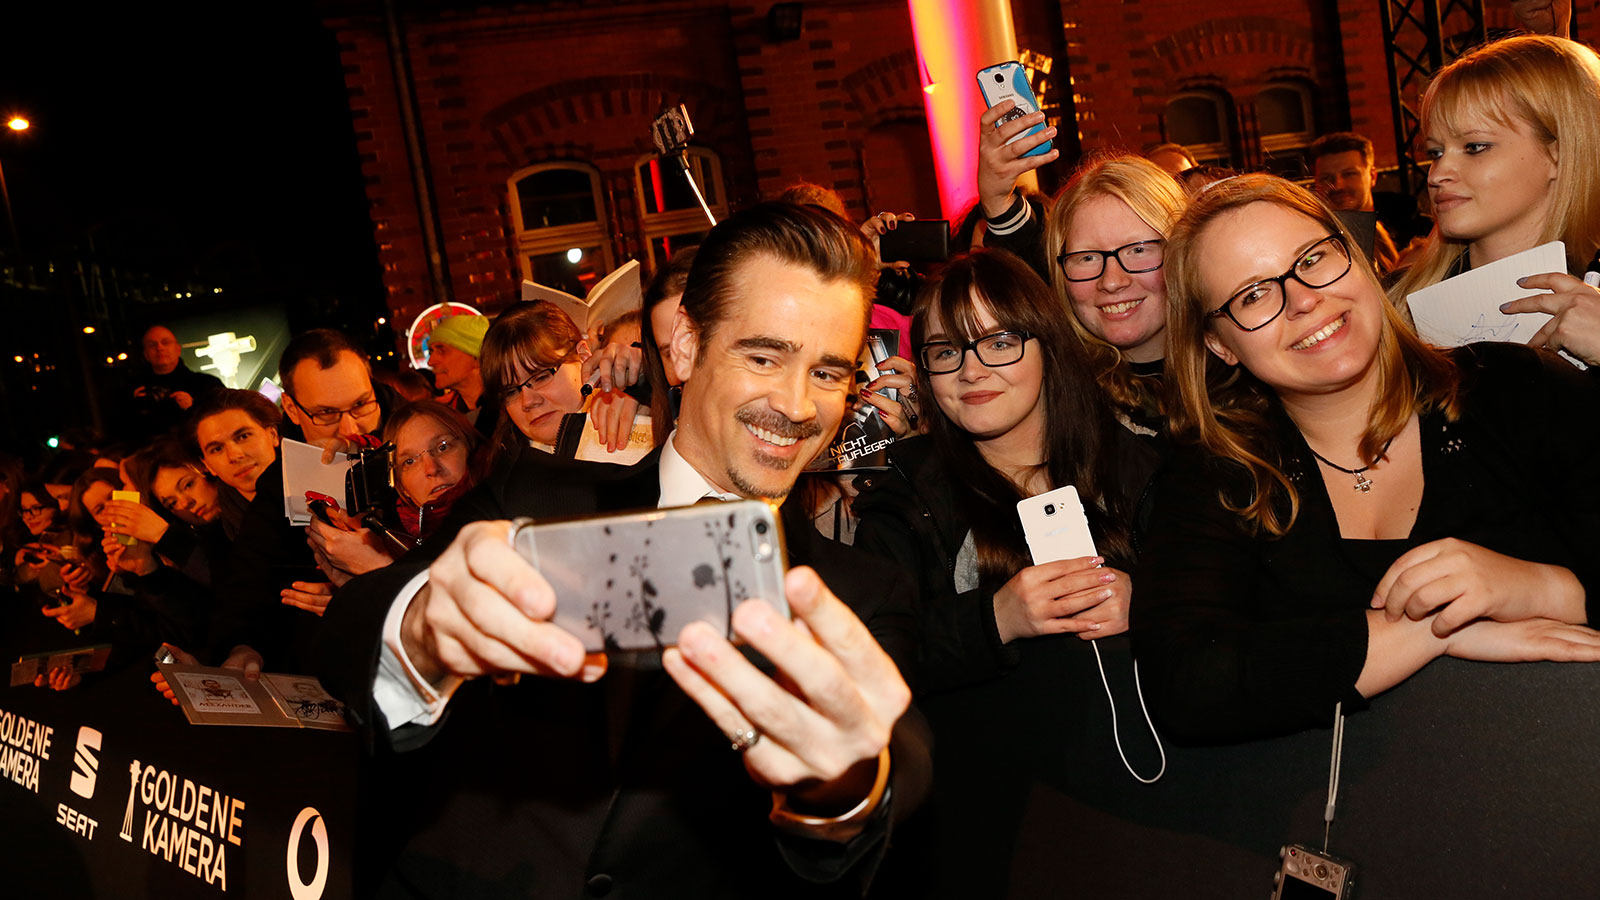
(1101, 247)
(1016, 413)
(1350, 503)
(532, 364)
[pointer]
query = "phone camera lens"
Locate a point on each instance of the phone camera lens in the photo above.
(1049, 509)
(999, 78)
(761, 528)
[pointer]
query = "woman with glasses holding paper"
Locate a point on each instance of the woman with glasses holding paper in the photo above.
(533, 361)
(1352, 502)
(1515, 143)
(1016, 413)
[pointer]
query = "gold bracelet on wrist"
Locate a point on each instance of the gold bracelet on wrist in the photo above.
(830, 826)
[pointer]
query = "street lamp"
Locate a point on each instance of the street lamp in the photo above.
(17, 124)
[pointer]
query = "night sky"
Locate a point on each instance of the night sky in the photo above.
(209, 141)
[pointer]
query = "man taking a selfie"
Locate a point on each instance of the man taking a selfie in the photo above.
(590, 777)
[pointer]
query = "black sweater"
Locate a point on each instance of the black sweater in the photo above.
(1011, 721)
(1242, 636)
(909, 515)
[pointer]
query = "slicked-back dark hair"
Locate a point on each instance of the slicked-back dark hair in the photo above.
(806, 236)
(263, 411)
(321, 344)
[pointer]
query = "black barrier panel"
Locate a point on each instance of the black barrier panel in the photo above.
(1470, 780)
(107, 791)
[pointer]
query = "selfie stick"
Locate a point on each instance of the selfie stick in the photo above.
(671, 132)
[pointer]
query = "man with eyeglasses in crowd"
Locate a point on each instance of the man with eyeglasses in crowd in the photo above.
(272, 595)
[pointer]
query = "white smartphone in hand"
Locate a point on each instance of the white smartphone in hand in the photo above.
(1056, 526)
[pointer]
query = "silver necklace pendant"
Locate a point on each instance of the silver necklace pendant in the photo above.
(1363, 483)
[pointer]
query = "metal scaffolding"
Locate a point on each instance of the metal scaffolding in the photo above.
(1422, 37)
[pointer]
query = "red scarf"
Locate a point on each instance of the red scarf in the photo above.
(419, 522)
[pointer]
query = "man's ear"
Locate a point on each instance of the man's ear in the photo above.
(684, 344)
(277, 440)
(293, 411)
(1215, 345)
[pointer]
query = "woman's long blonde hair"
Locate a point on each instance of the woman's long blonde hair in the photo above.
(1226, 409)
(1552, 85)
(1157, 199)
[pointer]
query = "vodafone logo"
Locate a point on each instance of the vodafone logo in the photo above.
(87, 764)
(298, 889)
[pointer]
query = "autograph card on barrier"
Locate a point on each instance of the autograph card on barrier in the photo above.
(214, 696)
(80, 660)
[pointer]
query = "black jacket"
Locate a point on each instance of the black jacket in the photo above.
(909, 515)
(546, 788)
(153, 412)
(1242, 636)
(1014, 723)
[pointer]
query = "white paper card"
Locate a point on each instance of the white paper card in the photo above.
(303, 471)
(1466, 309)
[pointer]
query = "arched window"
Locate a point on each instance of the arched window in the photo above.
(1285, 118)
(1199, 121)
(560, 219)
(670, 218)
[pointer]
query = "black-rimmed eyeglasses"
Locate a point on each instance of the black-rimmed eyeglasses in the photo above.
(1002, 348)
(333, 416)
(538, 379)
(1256, 305)
(1134, 258)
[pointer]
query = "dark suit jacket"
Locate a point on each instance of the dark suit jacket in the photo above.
(623, 787)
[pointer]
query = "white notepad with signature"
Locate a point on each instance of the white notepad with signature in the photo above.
(1466, 309)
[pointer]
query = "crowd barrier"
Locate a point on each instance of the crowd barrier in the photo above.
(1469, 780)
(107, 791)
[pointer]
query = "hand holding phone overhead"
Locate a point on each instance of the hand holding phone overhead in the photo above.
(1008, 149)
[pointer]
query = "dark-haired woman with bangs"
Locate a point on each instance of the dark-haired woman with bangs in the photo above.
(1006, 645)
(533, 364)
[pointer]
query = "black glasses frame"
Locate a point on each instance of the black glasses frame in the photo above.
(1061, 259)
(972, 347)
(547, 372)
(1282, 281)
(332, 417)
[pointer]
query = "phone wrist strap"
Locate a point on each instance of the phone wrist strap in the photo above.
(1336, 757)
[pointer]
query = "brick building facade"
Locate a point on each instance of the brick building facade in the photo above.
(531, 120)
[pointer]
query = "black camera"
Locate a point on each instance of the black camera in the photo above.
(920, 242)
(897, 289)
(1049, 509)
(369, 485)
